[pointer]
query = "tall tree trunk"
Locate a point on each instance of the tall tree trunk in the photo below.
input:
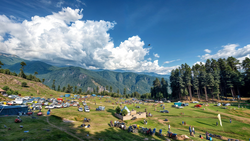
(189, 88)
(212, 93)
(198, 93)
(205, 93)
(179, 95)
(238, 92)
(232, 92)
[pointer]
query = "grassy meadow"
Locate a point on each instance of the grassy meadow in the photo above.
(202, 120)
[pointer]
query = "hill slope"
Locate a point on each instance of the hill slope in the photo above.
(14, 83)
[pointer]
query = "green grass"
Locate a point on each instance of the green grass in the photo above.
(202, 120)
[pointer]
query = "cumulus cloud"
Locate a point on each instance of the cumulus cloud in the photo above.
(63, 38)
(199, 63)
(229, 50)
(207, 51)
(156, 55)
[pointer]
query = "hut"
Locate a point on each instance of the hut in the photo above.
(2, 91)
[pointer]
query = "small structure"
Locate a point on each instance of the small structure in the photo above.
(178, 103)
(67, 95)
(13, 110)
(126, 108)
(93, 95)
(2, 91)
(131, 114)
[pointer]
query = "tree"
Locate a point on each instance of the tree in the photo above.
(118, 91)
(23, 64)
(164, 88)
(6, 88)
(75, 90)
(64, 88)
(35, 73)
(9, 92)
(1, 64)
(124, 112)
(107, 87)
(196, 81)
(69, 89)
(24, 84)
(210, 83)
(216, 88)
(43, 80)
(187, 79)
(58, 88)
(97, 89)
(79, 91)
(118, 110)
(203, 82)
(110, 89)
(124, 91)
(21, 74)
(53, 85)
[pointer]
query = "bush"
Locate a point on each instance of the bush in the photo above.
(6, 88)
(24, 84)
(16, 92)
(118, 110)
(9, 92)
(31, 94)
(124, 112)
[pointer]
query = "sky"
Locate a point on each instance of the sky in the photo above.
(139, 36)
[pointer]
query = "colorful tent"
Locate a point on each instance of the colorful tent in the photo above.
(67, 95)
(126, 108)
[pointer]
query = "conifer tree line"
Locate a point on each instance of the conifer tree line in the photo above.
(214, 79)
(159, 89)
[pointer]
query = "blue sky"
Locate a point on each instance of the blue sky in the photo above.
(115, 34)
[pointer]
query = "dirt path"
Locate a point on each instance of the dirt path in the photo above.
(63, 130)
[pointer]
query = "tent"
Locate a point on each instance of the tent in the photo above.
(126, 108)
(61, 95)
(93, 95)
(75, 95)
(67, 95)
(178, 103)
(13, 110)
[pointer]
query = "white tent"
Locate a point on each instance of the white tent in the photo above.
(126, 108)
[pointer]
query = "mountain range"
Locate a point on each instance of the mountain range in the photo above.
(82, 78)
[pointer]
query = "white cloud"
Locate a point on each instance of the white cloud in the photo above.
(199, 62)
(167, 62)
(149, 59)
(229, 50)
(207, 51)
(156, 55)
(63, 38)
(59, 4)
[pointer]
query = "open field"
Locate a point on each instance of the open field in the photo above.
(202, 120)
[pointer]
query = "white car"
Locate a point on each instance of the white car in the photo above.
(84, 104)
(195, 102)
(80, 109)
(75, 104)
(179, 107)
(26, 97)
(58, 106)
(86, 109)
(219, 104)
(51, 107)
(46, 104)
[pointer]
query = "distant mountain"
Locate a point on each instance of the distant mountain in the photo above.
(83, 78)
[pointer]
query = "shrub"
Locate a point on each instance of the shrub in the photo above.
(6, 88)
(124, 112)
(15, 92)
(24, 84)
(31, 94)
(118, 110)
(9, 92)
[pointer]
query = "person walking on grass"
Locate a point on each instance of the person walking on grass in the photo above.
(190, 130)
(193, 130)
(230, 120)
(169, 127)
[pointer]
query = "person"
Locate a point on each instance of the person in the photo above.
(146, 122)
(182, 122)
(111, 123)
(216, 123)
(207, 135)
(190, 131)
(115, 123)
(230, 120)
(169, 127)
(193, 130)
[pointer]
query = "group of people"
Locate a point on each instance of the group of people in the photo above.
(191, 130)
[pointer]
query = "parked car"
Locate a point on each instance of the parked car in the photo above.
(80, 109)
(198, 105)
(46, 104)
(227, 104)
(180, 107)
(195, 102)
(58, 106)
(164, 111)
(86, 109)
(185, 104)
(84, 103)
(219, 104)
(51, 106)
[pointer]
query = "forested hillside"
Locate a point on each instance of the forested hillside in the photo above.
(216, 79)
